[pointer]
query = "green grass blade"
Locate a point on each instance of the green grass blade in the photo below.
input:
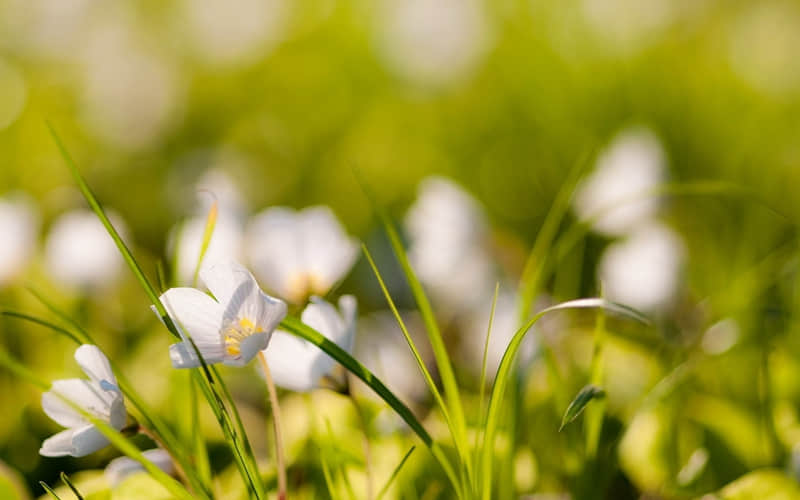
(49, 490)
(326, 474)
(208, 232)
(593, 421)
(482, 380)
(66, 481)
(199, 449)
(395, 472)
(300, 329)
(584, 396)
(504, 372)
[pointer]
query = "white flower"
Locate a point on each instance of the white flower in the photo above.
(120, 468)
(231, 329)
(299, 253)
(617, 190)
(642, 271)
(225, 243)
(98, 396)
(79, 252)
(433, 42)
(448, 243)
(299, 365)
(19, 222)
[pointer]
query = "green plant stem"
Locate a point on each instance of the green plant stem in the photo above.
(280, 459)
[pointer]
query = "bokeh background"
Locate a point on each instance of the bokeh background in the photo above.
(279, 102)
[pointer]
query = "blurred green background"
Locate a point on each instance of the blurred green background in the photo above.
(288, 98)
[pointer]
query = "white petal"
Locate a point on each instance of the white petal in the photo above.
(183, 354)
(196, 313)
(120, 468)
(61, 412)
(58, 445)
(226, 279)
(274, 248)
(349, 310)
(249, 347)
(269, 312)
(94, 363)
(87, 440)
(329, 253)
(324, 318)
(296, 364)
(86, 394)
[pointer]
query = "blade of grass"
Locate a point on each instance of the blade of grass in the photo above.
(583, 398)
(395, 472)
(66, 481)
(49, 490)
(482, 386)
(593, 421)
(209, 389)
(296, 327)
(208, 232)
(504, 370)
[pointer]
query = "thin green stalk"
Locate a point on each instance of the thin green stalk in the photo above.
(68, 483)
(395, 472)
(280, 459)
(593, 420)
(482, 386)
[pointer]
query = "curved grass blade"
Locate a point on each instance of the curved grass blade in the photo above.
(504, 371)
(395, 472)
(300, 329)
(66, 481)
(49, 490)
(578, 404)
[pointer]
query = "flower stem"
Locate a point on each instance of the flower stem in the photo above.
(367, 451)
(276, 422)
(176, 463)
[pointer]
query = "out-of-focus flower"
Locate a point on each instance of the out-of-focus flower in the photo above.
(234, 31)
(20, 224)
(216, 187)
(120, 468)
(225, 244)
(231, 329)
(131, 95)
(627, 26)
(299, 365)
(763, 46)
(79, 251)
(432, 42)
(615, 197)
(447, 233)
(14, 92)
(643, 271)
(299, 253)
(98, 396)
(49, 28)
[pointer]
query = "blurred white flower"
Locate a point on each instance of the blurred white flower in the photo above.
(50, 28)
(79, 252)
(643, 271)
(299, 365)
(616, 195)
(299, 253)
(122, 467)
(720, 336)
(225, 243)
(234, 31)
(447, 236)
(763, 46)
(382, 348)
(432, 42)
(98, 396)
(131, 94)
(217, 187)
(20, 224)
(627, 26)
(231, 329)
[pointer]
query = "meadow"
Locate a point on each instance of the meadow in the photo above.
(399, 249)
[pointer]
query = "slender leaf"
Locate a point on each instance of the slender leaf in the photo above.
(577, 405)
(49, 490)
(66, 481)
(395, 472)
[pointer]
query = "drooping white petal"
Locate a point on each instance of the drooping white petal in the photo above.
(235, 289)
(62, 413)
(87, 440)
(87, 394)
(94, 363)
(58, 445)
(183, 354)
(329, 253)
(275, 249)
(194, 313)
(270, 312)
(122, 467)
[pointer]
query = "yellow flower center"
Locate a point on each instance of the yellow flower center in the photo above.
(238, 331)
(301, 285)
